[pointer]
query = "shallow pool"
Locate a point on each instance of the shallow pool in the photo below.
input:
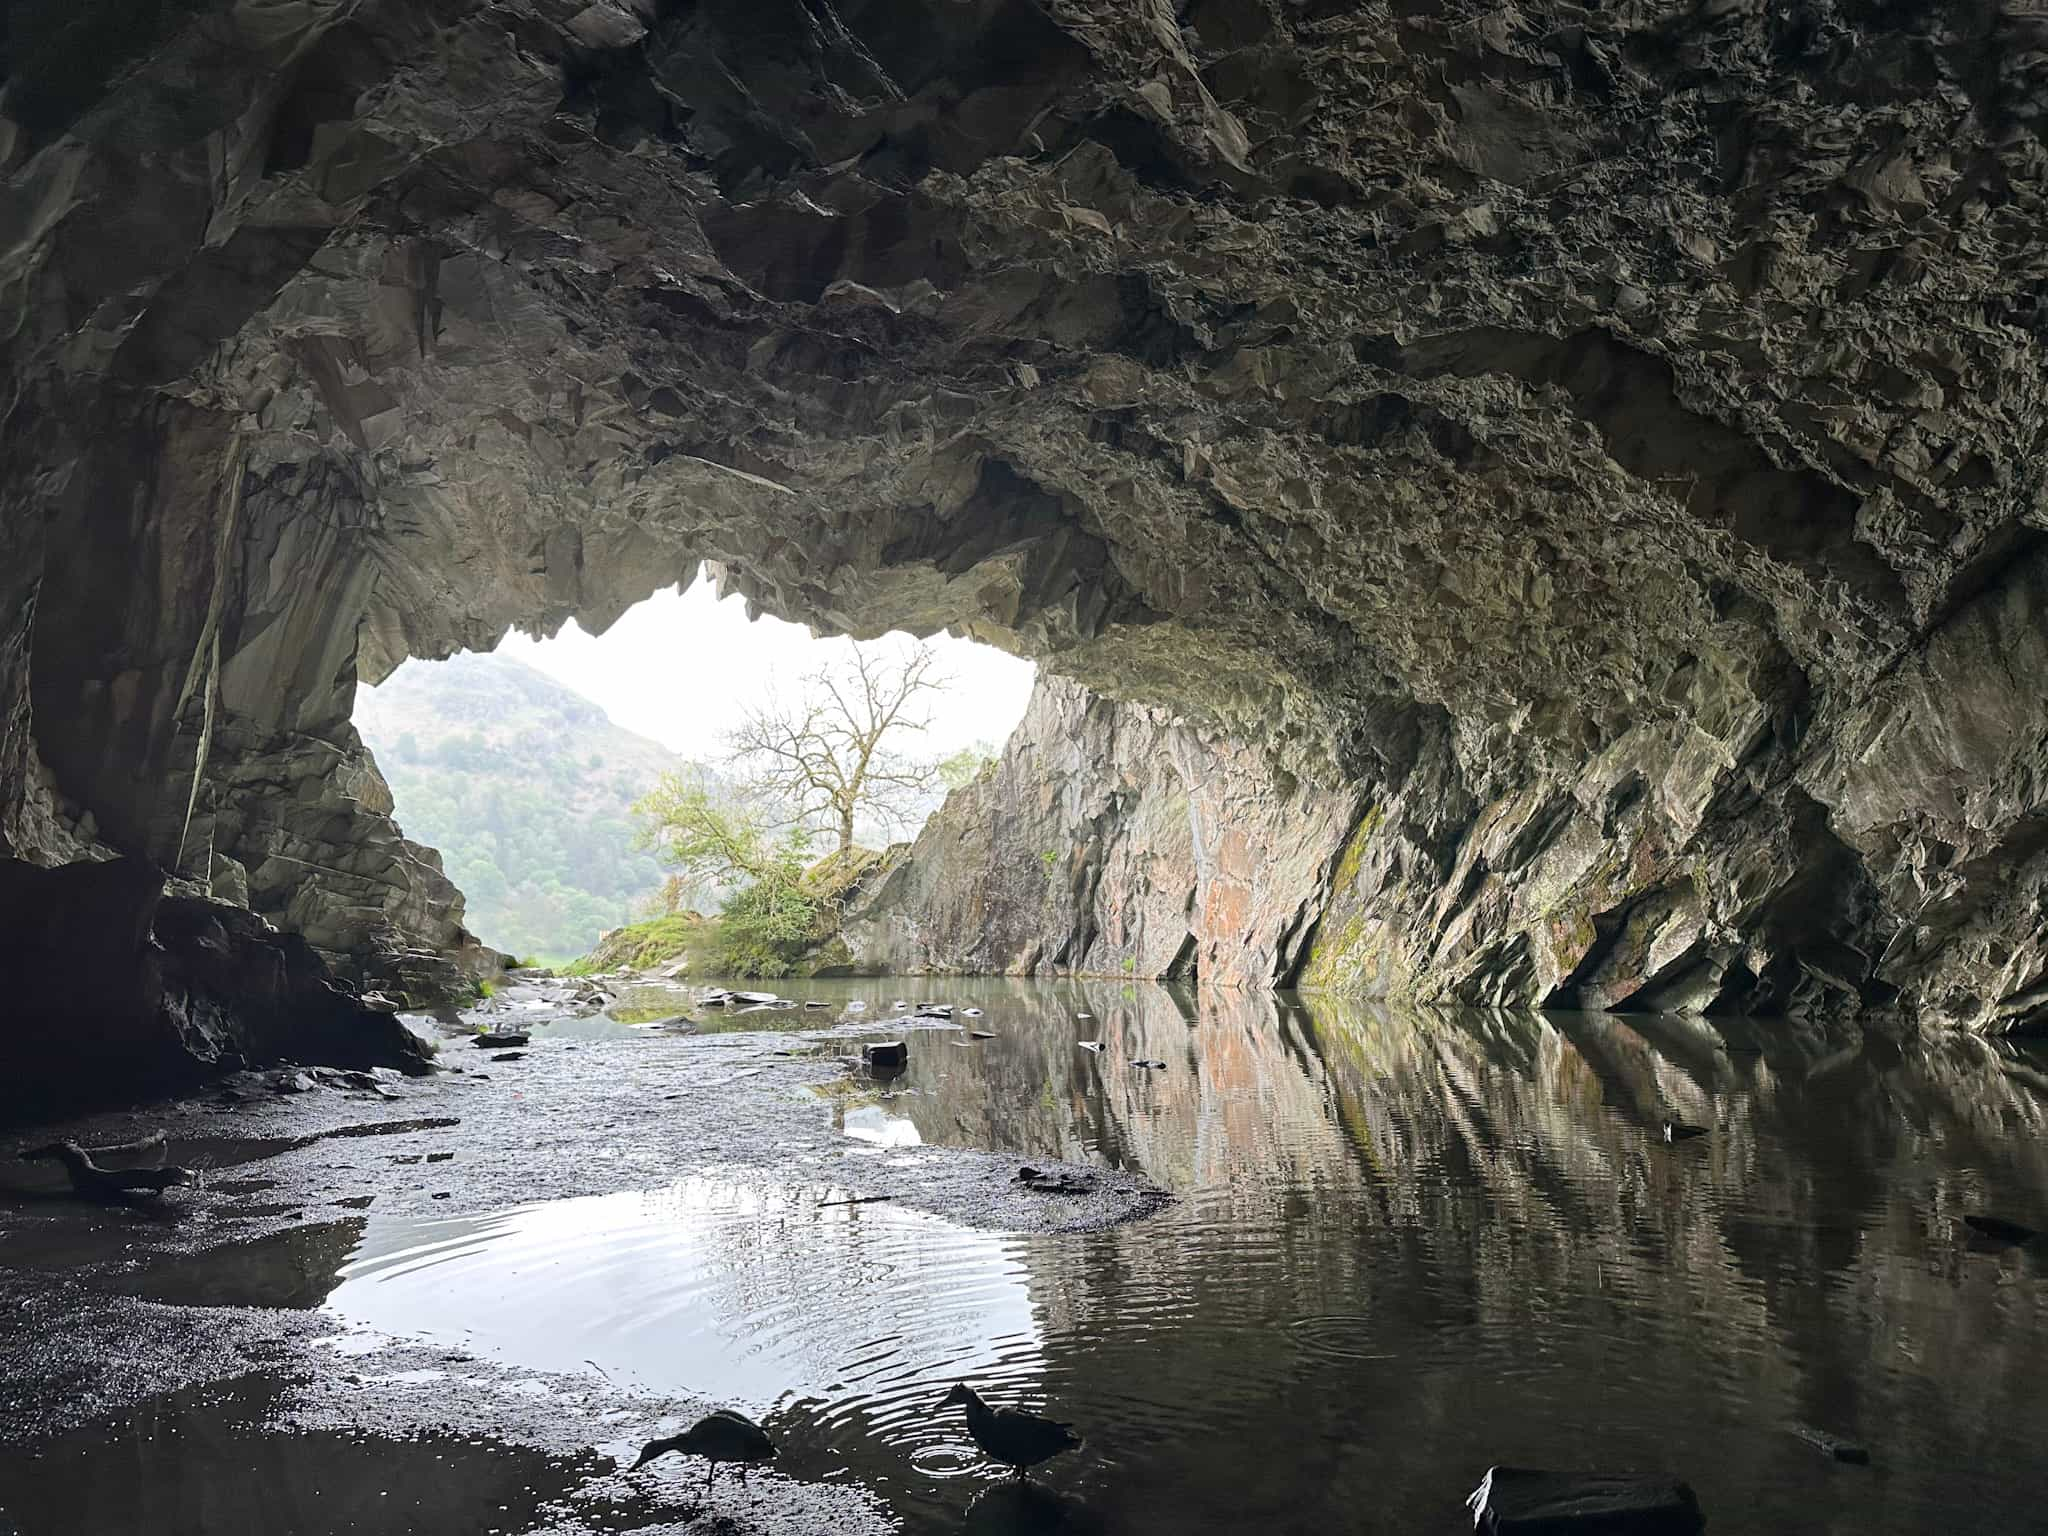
(1405, 1247)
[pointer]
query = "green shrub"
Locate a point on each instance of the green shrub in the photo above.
(765, 928)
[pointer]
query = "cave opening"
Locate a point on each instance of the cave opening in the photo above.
(1506, 935)
(534, 769)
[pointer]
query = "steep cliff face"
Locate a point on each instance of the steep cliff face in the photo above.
(1110, 841)
(1603, 445)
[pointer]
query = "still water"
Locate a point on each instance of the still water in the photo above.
(1405, 1247)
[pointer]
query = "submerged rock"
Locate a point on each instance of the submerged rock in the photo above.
(1058, 1181)
(1999, 1230)
(1517, 1501)
(1833, 1446)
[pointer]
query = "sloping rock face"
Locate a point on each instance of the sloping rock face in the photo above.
(1110, 840)
(1601, 444)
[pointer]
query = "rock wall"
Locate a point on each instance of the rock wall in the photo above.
(1604, 445)
(117, 991)
(1684, 869)
(1108, 840)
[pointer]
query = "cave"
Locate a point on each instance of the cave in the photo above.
(1521, 510)
(1568, 514)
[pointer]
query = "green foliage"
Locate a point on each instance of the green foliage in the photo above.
(966, 765)
(771, 910)
(765, 928)
(713, 839)
(658, 940)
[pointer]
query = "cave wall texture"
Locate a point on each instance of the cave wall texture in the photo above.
(1592, 456)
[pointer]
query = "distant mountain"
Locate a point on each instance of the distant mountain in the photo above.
(526, 788)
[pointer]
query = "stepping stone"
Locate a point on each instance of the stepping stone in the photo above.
(1832, 1445)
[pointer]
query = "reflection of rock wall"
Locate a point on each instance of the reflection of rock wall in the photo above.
(1110, 841)
(1447, 1237)
(1529, 1152)
(1233, 1100)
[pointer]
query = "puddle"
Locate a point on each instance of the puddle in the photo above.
(877, 1126)
(294, 1269)
(712, 1289)
(211, 1462)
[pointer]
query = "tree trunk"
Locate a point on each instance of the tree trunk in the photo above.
(845, 829)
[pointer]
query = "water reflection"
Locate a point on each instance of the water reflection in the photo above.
(710, 1289)
(1414, 1245)
(1407, 1247)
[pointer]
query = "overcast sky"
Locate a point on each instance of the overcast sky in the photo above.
(679, 667)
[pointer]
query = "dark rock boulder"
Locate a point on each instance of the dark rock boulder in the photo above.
(117, 991)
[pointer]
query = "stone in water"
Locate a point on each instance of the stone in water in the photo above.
(1519, 1501)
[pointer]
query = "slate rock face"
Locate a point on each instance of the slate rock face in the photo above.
(1601, 449)
(1109, 839)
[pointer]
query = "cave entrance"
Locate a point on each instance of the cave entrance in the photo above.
(540, 769)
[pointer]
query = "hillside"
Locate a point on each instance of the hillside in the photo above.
(526, 788)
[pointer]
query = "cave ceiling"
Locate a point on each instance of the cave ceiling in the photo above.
(1335, 377)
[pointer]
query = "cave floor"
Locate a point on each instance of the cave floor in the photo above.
(1325, 1264)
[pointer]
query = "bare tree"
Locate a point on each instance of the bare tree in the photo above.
(830, 758)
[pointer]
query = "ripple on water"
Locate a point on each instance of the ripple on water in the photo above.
(718, 1290)
(1337, 1336)
(1406, 1248)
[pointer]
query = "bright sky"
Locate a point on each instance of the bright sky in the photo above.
(679, 666)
